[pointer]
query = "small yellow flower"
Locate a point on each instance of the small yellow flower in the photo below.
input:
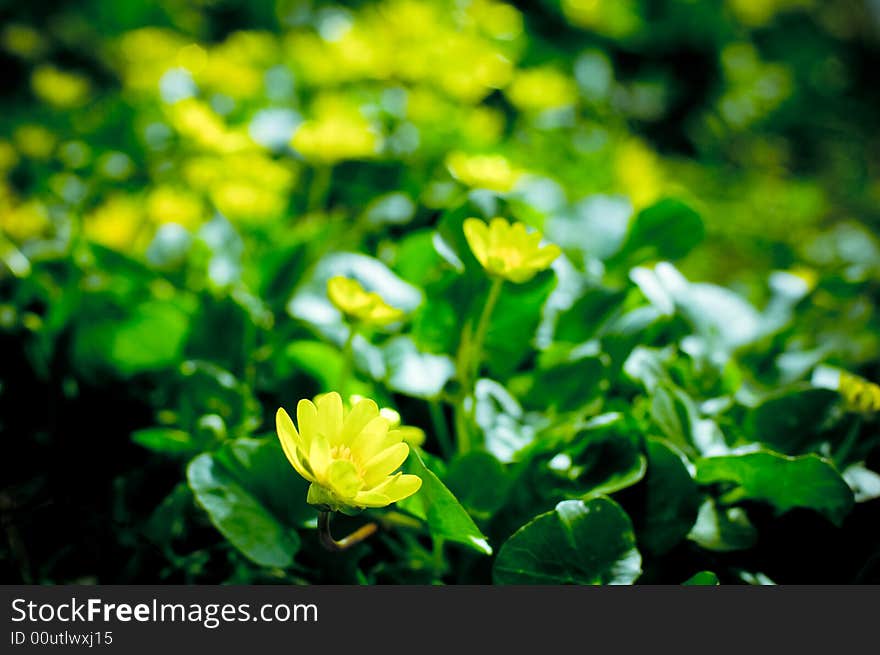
(60, 88)
(360, 305)
(349, 457)
(507, 250)
(493, 172)
(859, 394)
(336, 136)
(538, 89)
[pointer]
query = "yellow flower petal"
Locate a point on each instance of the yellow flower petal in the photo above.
(330, 417)
(307, 420)
(395, 488)
(291, 443)
(384, 463)
(363, 412)
(477, 234)
(373, 439)
(319, 457)
(402, 487)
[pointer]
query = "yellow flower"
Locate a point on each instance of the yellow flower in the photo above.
(639, 172)
(25, 221)
(116, 223)
(360, 305)
(168, 204)
(537, 89)
(859, 394)
(334, 138)
(508, 251)
(349, 457)
(34, 141)
(493, 172)
(60, 88)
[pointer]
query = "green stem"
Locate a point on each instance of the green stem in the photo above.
(483, 327)
(852, 436)
(468, 362)
(319, 188)
(337, 545)
(441, 430)
(347, 360)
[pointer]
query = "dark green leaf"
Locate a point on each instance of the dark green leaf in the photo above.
(785, 482)
(254, 497)
(579, 542)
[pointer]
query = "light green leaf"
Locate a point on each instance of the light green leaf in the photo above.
(435, 504)
(703, 578)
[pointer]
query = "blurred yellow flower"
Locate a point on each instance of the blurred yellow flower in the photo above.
(493, 172)
(359, 305)
(22, 40)
(508, 251)
(539, 89)
(60, 88)
(349, 457)
(245, 201)
(24, 221)
(859, 394)
(167, 204)
(8, 156)
(116, 223)
(196, 121)
(497, 19)
(614, 18)
(336, 137)
(638, 172)
(34, 141)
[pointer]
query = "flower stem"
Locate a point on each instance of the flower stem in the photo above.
(441, 430)
(347, 360)
(354, 538)
(468, 363)
(483, 326)
(319, 188)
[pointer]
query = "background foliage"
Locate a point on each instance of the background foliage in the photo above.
(180, 179)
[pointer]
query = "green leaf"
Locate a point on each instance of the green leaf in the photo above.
(675, 414)
(435, 504)
(415, 373)
(668, 229)
(583, 319)
(578, 542)
(150, 338)
(165, 440)
(788, 421)
(514, 323)
(600, 463)
(785, 482)
(479, 481)
(671, 498)
(703, 578)
(723, 530)
(254, 497)
(566, 385)
(501, 418)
